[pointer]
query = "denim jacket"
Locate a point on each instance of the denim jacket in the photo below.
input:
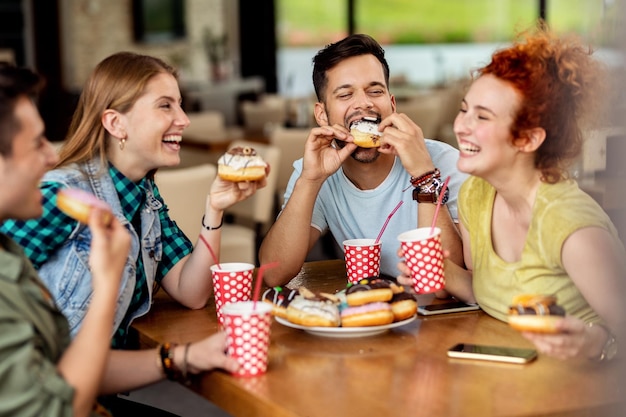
(67, 272)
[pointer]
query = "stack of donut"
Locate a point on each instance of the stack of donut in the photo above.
(370, 302)
(374, 301)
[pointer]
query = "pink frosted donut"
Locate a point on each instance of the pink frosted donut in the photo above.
(371, 314)
(78, 204)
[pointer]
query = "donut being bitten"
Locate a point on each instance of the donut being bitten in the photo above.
(368, 290)
(403, 306)
(241, 164)
(313, 312)
(279, 298)
(372, 314)
(365, 132)
(535, 313)
(78, 204)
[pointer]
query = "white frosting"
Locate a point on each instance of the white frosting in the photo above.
(324, 309)
(240, 161)
(366, 127)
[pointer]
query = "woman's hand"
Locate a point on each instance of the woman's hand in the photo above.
(405, 274)
(224, 193)
(573, 340)
(208, 354)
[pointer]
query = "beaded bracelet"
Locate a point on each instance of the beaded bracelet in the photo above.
(212, 228)
(166, 352)
(424, 178)
(185, 366)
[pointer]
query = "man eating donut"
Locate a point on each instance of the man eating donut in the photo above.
(349, 190)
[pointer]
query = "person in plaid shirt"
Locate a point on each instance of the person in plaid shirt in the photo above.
(129, 123)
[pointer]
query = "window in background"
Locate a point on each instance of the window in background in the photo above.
(310, 23)
(594, 20)
(428, 43)
(156, 21)
(450, 21)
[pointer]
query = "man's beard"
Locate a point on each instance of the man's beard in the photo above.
(363, 155)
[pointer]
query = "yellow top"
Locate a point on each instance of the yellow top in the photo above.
(560, 209)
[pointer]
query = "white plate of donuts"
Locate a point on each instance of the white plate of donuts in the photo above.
(345, 332)
(369, 307)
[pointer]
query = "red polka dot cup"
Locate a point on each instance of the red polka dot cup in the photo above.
(423, 254)
(232, 282)
(362, 258)
(248, 335)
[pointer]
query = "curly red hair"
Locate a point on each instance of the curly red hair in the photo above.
(559, 83)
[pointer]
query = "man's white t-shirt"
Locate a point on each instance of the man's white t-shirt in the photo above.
(350, 213)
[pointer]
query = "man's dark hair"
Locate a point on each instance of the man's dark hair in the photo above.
(14, 83)
(334, 53)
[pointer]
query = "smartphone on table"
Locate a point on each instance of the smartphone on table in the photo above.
(492, 353)
(448, 307)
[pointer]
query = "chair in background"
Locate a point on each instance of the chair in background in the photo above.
(209, 128)
(453, 94)
(184, 191)
(425, 111)
(258, 210)
(206, 138)
(291, 141)
(262, 116)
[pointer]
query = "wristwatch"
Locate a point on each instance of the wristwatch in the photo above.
(429, 193)
(609, 350)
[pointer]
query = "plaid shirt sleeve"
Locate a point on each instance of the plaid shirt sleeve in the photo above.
(175, 244)
(43, 236)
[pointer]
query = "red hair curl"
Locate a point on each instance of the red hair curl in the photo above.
(559, 83)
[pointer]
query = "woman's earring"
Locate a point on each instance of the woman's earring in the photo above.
(122, 143)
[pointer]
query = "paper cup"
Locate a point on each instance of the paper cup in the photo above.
(362, 258)
(232, 282)
(248, 335)
(424, 256)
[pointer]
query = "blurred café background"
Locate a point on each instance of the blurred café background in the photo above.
(245, 68)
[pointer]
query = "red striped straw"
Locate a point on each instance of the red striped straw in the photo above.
(217, 262)
(380, 234)
(259, 281)
(441, 194)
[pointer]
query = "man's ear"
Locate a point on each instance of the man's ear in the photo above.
(320, 114)
(113, 123)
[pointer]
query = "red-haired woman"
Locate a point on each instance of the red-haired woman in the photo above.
(526, 227)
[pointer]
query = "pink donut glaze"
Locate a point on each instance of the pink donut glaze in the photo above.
(365, 308)
(85, 197)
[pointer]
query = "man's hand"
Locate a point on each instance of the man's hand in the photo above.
(402, 137)
(322, 157)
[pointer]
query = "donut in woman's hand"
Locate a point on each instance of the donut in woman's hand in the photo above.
(279, 298)
(368, 290)
(313, 312)
(371, 314)
(403, 306)
(535, 313)
(78, 204)
(241, 164)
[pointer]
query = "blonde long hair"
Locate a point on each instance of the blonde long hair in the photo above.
(115, 83)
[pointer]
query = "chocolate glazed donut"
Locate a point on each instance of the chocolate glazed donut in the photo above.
(368, 290)
(535, 313)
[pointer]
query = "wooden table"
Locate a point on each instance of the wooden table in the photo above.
(399, 373)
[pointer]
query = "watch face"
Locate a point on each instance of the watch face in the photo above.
(610, 350)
